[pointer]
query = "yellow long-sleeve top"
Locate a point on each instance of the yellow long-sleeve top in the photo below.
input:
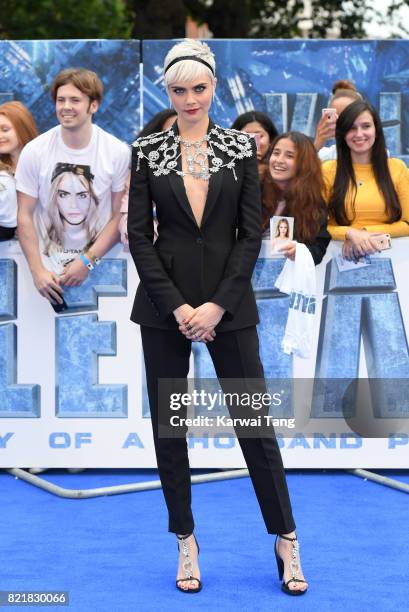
(370, 210)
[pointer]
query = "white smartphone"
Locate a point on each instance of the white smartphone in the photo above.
(383, 241)
(329, 113)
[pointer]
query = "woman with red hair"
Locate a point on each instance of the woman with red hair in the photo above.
(295, 189)
(17, 128)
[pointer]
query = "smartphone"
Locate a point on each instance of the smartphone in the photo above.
(383, 241)
(256, 138)
(329, 112)
(59, 307)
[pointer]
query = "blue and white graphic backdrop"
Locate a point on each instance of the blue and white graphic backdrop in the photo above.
(72, 389)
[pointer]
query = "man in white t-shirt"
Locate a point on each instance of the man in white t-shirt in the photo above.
(70, 182)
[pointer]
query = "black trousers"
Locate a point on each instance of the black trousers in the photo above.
(234, 354)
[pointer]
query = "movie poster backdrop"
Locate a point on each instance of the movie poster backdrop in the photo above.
(72, 386)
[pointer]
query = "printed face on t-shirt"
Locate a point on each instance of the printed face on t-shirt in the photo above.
(74, 109)
(73, 199)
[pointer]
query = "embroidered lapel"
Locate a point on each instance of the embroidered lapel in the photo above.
(227, 147)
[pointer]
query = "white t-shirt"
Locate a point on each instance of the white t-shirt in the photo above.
(73, 188)
(328, 153)
(8, 200)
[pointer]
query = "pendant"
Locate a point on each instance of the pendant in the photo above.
(201, 161)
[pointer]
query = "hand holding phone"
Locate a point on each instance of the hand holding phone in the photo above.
(330, 113)
(325, 127)
(257, 138)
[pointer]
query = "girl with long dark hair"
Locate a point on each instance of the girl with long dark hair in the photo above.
(259, 125)
(368, 193)
(296, 188)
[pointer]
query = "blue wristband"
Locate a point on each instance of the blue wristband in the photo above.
(86, 262)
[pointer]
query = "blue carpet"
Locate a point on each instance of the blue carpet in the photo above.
(114, 555)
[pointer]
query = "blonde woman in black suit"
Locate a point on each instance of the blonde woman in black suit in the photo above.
(195, 286)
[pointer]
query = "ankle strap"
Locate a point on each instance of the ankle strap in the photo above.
(185, 537)
(289, 539)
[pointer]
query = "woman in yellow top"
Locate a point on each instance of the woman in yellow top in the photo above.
(367, 192)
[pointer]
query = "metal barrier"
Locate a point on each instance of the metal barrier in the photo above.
(41, 483)
(149, 485)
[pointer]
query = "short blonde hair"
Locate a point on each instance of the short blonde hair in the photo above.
(187, 70)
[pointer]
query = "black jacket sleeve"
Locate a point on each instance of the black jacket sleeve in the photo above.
(158, 286)
(242, 259)
(318, 248)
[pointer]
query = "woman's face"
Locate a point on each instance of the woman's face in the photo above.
(9, 143)
(192, 99)
(340, 104)
(254, 127)
(73, 199)
(361, 137)
(283, 162)
(283, 230)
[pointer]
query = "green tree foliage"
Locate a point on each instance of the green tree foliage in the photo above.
(351, 16)
(161, 19)
(225, 18)
(286, 18)
(59, 19)
(156, 19)
(348, 17)
(277, 19)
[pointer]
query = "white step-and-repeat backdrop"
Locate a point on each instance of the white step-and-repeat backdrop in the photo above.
(72, 386)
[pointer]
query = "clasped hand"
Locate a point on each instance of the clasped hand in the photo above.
(289, 249)
(359, 242)
(74, 273)
(49, 284)
(198, 324)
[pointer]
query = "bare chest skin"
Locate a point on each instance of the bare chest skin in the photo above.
(196, 188)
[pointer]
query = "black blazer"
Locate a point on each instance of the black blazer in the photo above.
(187, 263)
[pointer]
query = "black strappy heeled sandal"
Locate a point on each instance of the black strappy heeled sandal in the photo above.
(187, 565)
(295, 566)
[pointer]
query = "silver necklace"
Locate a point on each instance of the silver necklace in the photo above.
(163, 158)
(198, 155)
